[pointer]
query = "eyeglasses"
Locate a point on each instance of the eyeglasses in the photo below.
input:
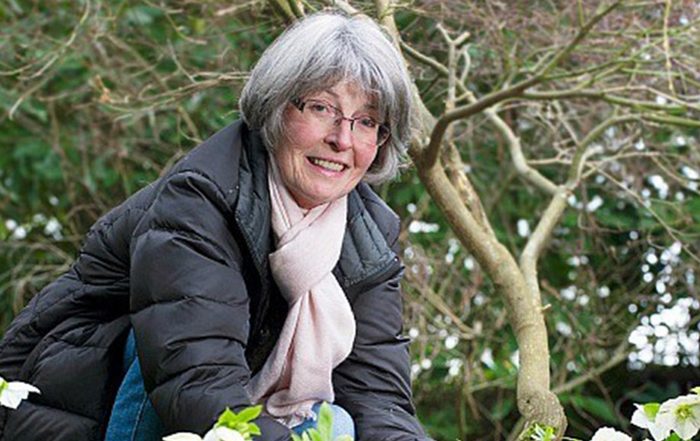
(367, 130)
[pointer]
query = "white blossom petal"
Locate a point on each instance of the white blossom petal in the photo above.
(12, 393)
(23, 388)
(10, 399)
(211, 436)
(662, 428)
(687, 429)
(610, 434)
(639, 418)
(183, 436)
(672, 416)
(226, 434)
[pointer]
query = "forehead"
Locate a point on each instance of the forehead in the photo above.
(345, 91)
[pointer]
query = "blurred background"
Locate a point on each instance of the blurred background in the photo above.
(99, 98)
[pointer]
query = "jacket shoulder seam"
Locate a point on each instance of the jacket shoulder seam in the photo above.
(188, 234)
(220, 192)
(185, 299)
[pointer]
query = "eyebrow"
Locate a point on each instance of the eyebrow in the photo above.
(369, 106)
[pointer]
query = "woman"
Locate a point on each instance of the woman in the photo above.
(261, 269)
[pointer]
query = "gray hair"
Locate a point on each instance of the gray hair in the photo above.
(319, 52)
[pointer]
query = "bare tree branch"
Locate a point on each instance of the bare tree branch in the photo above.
(430, 156)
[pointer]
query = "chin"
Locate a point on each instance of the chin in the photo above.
(322, 199)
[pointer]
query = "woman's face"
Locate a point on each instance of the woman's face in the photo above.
(317, 164)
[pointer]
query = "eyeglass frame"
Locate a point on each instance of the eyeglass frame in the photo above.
(340, 117)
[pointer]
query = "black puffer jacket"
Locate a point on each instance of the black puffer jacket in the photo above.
(187, 257)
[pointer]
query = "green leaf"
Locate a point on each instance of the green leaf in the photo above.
(650, 410)
(240, 421)
(325, 422)
(228, 418)
(315, 435)
(249, 413)
(254, 429)
(696, 390)
(231, 419)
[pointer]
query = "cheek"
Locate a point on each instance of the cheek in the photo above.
(300, 136)
(366, 157)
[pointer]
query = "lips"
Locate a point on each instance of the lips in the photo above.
(328, 165)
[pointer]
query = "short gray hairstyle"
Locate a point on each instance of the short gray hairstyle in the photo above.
(319, 52)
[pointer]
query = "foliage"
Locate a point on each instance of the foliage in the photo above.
(230, 426)
(324, 430)
(537, 432)
(99, 98)
(241, 422)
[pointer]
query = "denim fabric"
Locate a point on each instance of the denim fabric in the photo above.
(342, 422)
(133, 417)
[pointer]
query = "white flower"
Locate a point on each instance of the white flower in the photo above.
(594, 204)
(183, 436)
(523, 228)
(451, 341)
(223, 434)
(19, 233)
(215, 434)
(13, 392)
(682, 415)
(645, 417)
(609, 434)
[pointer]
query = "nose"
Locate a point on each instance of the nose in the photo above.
(340, 138)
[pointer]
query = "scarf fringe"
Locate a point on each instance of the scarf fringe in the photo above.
(298, 416)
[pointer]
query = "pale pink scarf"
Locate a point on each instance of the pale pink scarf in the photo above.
(320, 327)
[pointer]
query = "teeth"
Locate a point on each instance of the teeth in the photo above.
(328, 164)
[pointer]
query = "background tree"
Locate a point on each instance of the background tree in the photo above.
(557, 140)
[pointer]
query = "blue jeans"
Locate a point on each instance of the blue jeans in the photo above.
(134, 419)
(342, 422)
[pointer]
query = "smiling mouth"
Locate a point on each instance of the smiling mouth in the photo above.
(328, 165)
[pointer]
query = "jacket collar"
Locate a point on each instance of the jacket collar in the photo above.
(365, 252)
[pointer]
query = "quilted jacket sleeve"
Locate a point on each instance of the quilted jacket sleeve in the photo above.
(373, 384)
(189, 306)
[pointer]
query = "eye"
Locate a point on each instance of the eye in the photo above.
(319, 107)
(367, 122)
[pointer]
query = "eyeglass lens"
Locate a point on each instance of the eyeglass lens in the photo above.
(365, 128)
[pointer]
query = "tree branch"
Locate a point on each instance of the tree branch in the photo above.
(582, 151)
(530, 174)
(430, 155)
(619, 356)
(675, 120)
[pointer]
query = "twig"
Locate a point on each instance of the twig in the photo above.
(519, 162)
(579, 158)
(620, 355)
(52, 60)
(675, 120)
(671, 231)
(667, 47)
(430, 155)
(235, 8)
(434, 299)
